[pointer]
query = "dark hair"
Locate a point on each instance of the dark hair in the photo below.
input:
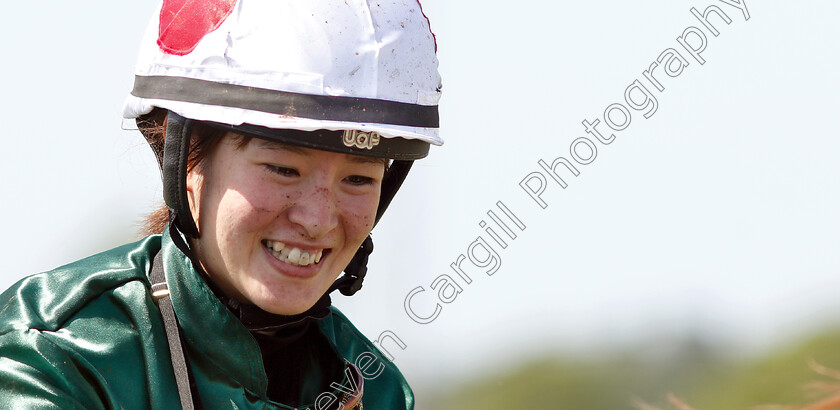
(204, 139)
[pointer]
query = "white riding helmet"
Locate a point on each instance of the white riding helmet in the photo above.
(283, 64)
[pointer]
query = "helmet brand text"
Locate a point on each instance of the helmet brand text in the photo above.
(359, 139)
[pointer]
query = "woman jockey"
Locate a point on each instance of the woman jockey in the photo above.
(283, 130)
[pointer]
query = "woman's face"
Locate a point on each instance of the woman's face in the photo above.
(278, 223)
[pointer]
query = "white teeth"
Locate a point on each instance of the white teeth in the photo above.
(292, 255)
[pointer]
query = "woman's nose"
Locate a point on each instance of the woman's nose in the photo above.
(316, 211)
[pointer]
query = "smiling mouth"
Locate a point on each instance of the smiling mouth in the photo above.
(293, 256)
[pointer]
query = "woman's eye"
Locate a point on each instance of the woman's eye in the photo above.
(359, 180)
(283, 171)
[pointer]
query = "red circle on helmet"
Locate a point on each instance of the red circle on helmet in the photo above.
(183, 23)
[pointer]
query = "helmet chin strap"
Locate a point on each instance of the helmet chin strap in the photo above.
(174, 172)
(176, 151)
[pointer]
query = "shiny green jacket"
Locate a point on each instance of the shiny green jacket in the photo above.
(88, 335)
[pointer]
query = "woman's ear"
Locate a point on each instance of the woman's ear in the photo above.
(194, 183)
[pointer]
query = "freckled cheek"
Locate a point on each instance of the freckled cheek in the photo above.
(359, 214)
(245, 211)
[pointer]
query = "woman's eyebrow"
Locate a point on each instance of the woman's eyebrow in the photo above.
(367, 160)
(279, 146)
(359, 159)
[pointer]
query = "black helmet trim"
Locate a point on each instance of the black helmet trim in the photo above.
(368, 144)
(320, 107)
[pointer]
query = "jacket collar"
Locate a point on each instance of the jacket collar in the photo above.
(214, 336)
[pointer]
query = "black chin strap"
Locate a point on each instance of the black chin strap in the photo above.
(176, 152)
(350, 283)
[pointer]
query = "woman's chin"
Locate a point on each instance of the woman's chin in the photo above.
(284, 310)
(286, 305)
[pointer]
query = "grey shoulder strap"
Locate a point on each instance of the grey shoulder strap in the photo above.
(187, 389)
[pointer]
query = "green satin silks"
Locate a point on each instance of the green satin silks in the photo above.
(88, 335)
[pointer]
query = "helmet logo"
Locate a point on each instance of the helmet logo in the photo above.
(363, 140)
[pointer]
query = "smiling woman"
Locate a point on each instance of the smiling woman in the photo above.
(305, 204)
(277, 163)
